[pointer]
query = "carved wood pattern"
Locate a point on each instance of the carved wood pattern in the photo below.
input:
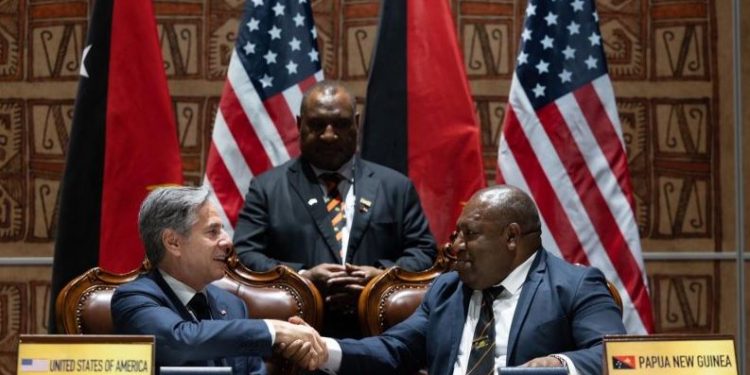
(655, 49)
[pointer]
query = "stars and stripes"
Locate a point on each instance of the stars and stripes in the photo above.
(562, 142)
(274, 61)
(34, 365)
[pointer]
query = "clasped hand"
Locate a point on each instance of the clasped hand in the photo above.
(341, 284)
(300, 343)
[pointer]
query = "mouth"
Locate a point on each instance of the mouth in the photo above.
(221, 258)
(330, 150)
(462, 265)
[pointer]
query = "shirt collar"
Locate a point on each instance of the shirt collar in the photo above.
(514, 281)
(184, 292)
(346, 170)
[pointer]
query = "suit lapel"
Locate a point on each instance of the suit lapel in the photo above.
(173, 300)
(219, 311)
(447, 351)
(218, 307)
(304, 183)
(462, 311)
(366, 188)
(538, 268)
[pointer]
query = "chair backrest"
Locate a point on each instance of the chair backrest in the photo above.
(277, 294)
(394, 295)
(615, 295)
(83, 306)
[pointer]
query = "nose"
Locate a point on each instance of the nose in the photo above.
(457, 244)
(225, 243)
(329, 134)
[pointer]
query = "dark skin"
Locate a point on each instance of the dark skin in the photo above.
(328, 139)
(493, 239)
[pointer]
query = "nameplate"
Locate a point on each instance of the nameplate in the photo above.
(85, 354)
(670, 354)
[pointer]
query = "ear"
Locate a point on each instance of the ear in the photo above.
(514, 235)
(172, 241)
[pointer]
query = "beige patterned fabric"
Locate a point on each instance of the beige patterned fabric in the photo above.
(670, 61)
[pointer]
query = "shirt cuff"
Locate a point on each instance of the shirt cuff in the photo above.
(333, 363)
(271, 331)
(568, 363)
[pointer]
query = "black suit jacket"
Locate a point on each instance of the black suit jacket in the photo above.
(284, 221)
(148, 306)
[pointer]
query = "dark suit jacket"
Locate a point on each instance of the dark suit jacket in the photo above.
(284, 221)
(148, 306)
(562, 309)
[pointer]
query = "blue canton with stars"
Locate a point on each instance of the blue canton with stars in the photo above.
(561, 49)
(277, 44)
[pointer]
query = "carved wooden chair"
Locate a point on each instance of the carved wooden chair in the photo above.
(615, 295)
(83, 306)
(394, 295)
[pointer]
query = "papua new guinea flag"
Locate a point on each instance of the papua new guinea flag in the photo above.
(123, 143)
(419, 115)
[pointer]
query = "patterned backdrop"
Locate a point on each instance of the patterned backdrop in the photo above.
(671, 62)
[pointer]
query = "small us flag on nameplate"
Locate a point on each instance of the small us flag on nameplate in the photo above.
(34, 365)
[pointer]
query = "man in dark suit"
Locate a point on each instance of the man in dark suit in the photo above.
(335, 218)
(194, 322)
(510, 303)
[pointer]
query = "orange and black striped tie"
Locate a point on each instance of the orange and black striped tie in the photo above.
(335, 205)
(482, 356)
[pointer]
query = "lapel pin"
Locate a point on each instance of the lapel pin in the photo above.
(364, 205)
(312, 201)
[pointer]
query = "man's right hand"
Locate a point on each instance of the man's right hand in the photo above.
(300, 343)
(321, 273)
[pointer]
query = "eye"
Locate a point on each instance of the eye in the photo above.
(342, 124)
(469, 233)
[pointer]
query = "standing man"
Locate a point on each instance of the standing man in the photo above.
(335, 218)
(510, 303)
(194, 322)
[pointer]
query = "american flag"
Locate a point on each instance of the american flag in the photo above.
(274, 61)
(562, 143)
(34, 365)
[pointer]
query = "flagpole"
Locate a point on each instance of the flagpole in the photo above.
(739, 184)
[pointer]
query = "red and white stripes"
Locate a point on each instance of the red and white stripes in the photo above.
(569, 155)
(250, 136)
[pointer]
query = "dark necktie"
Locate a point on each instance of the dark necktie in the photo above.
(482, 356)
(335, 205)
(199, 306)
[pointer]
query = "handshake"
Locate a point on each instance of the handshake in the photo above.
(300, 343)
